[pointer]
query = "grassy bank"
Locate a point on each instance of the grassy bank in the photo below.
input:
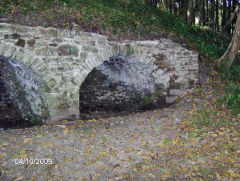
(122, 19)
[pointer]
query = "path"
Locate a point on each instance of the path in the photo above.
(131, 146)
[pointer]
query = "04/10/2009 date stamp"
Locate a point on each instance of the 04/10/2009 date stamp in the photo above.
(32, 161)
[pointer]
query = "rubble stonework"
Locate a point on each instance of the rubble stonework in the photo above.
(63, 59)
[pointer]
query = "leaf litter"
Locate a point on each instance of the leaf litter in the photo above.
(194, 139)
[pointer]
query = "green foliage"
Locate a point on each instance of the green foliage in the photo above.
(233, 96)
(232, 77)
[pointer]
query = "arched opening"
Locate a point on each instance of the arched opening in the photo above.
(121, 84)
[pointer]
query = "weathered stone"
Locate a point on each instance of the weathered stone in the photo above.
(4, 26)
(9, 51)
(31, 42)
(101, 41)
(51, 83)
(46, 51)
(20, 29)
(52, 32)
(25, 89)
(20, 42)
(40, 32)
(65, 50)
(130, 50)
(12, 36)
(41, 43)
(67, 34)
(122, 84)
(53, 44)
(56, 40)
(171, 99)
(83, 34)
(88, 50)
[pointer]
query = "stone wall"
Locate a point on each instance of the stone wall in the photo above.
(63, 59)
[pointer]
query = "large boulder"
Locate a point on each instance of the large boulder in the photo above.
(121, 84)
(23, 90)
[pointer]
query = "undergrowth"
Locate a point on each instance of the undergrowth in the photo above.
(231, 78)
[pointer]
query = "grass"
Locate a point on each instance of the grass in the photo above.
(122, 19)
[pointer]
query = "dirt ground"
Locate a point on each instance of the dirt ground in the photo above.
(103, 149)
(151, 145)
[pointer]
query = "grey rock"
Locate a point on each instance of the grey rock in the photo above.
(121, 84)
(24, 89)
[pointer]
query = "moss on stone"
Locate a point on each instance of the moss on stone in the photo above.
(65, 50)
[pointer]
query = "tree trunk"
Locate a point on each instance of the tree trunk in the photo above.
(170, 6)
(217, 17)
(198, 12)
(207, 12)
(230, 54)
(224, 14)
(189, 11)
(229, 16)
(175, 7)
(232, 17)
(203, 16)
(162, 5)
(233, 8)
(212, 13)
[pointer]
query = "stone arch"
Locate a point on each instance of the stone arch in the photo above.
(143, 51)
(176, 67)
(38, 48)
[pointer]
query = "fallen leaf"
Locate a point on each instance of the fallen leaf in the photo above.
(27, 140)
(48, 144)
(104, 154)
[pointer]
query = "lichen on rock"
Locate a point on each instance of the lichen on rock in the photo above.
(25, 89)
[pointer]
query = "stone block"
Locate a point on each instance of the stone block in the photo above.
(9, 51)
(40, 32)
(102, 41)
(4, 27)
(65, 50)
(171, 99)
(176, 92)
(40, 43)
(46, 51)
(31, 42)
(52, 32)
(20, 43)
(12, 36)
(3, 48)
(90, 49)
(20, 29)
(19, 55)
